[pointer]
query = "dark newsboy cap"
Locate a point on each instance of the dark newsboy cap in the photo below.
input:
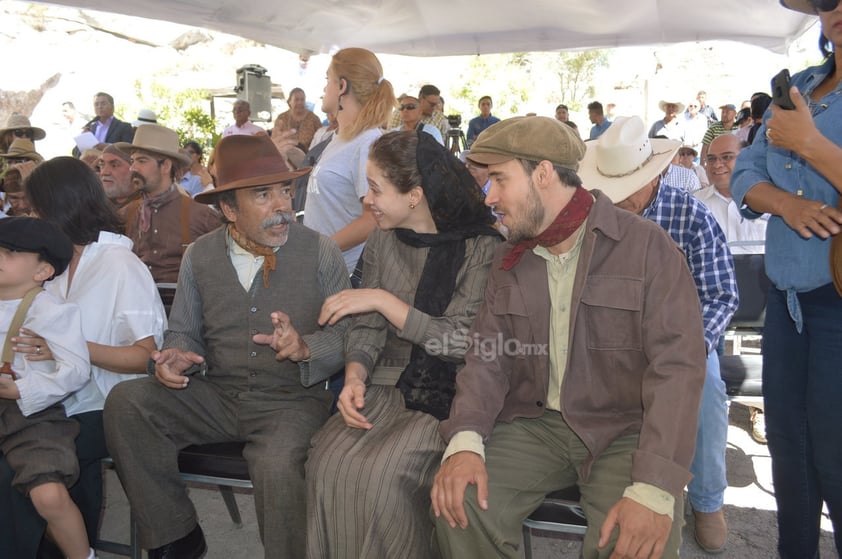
(29, 234)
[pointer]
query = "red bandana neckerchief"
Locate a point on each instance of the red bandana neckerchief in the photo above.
(566, 222)
(268, 253)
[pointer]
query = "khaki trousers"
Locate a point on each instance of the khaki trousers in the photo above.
(526, 460)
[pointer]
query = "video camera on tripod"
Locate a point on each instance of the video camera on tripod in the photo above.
(455, 142)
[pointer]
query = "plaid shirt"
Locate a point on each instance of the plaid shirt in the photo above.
(694, 228)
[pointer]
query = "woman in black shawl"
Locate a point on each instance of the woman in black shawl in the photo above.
(424, 271)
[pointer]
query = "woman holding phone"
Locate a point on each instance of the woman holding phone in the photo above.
(792, 171)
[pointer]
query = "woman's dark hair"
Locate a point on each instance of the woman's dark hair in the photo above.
(68, 194)
(194, 145)
(411, 158)
(825, 46)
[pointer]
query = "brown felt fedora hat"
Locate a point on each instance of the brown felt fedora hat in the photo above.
(22, 148)
(156, 139)
(246, 162)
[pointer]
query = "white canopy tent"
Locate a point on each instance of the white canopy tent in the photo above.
(451, 27)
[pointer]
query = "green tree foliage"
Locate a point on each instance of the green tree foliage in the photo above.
(575, 71)
(524, 81)
(183, 111)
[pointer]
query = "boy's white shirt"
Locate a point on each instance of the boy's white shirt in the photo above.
(44, 383)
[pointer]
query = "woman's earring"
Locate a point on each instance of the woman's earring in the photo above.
(411, 206)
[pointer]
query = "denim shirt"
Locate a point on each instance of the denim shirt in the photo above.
(793, 263)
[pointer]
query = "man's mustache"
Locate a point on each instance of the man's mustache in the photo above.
(278, 218)
(137, 178)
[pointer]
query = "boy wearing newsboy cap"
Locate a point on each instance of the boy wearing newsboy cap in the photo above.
(36, 436)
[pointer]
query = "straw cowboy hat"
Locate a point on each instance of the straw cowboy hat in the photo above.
(22, 148)
(20, 122)
(145, 116)
(246, 162)
(623, 159)
(803, 6)
(157, 139)
(679, 106)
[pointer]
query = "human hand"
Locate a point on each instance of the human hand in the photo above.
(170, 363)
(31, 345)
(793, 130)
(643, 532)
(349, 301)
(285, 340)
(24, 168)
(808, 217)
(351, 401)
(8, 388)
(449, 485)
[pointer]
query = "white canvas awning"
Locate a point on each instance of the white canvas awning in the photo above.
(451, 27)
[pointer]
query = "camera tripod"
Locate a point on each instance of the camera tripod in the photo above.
(455, 141)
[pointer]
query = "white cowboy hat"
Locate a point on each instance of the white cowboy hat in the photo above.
(157, 139)
(679, 106)
(145, 116)
(624, 159)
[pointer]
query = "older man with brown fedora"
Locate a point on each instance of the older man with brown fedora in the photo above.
(591, 364)
(631, 169)
(164, 220)
(246, 313)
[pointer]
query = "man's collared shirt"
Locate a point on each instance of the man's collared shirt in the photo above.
(101, 130)
(598, 129)
(733, 224)
(246, 264)
(694, 228)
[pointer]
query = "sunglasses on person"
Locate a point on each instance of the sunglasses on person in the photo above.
(824, 5)
(409, 107)
(686, 153)
(23, 133)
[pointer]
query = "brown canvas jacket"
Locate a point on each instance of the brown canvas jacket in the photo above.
(636, 360)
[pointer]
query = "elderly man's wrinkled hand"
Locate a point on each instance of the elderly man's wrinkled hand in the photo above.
(170, 363)
(284, 340)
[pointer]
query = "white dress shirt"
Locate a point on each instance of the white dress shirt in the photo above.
(119, 304)
(737, 229)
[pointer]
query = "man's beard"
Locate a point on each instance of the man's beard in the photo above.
(528, 226)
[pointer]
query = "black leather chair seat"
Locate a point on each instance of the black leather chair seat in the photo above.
(223, 460)
(743, 374)
(561, 507)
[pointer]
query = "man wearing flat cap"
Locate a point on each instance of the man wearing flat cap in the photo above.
(246, 313)
(594, 329)
(165, 220)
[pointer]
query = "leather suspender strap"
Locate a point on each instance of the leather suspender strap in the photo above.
(8, 355)
(185, 221)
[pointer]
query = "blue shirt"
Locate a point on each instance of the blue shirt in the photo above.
(191, 183)
(693, 227)
(598, 129)
(793, 263)
(479, 124)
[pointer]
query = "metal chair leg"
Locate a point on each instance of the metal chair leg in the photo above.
(231, 505)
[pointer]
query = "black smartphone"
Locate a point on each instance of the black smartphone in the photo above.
(780, 90)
